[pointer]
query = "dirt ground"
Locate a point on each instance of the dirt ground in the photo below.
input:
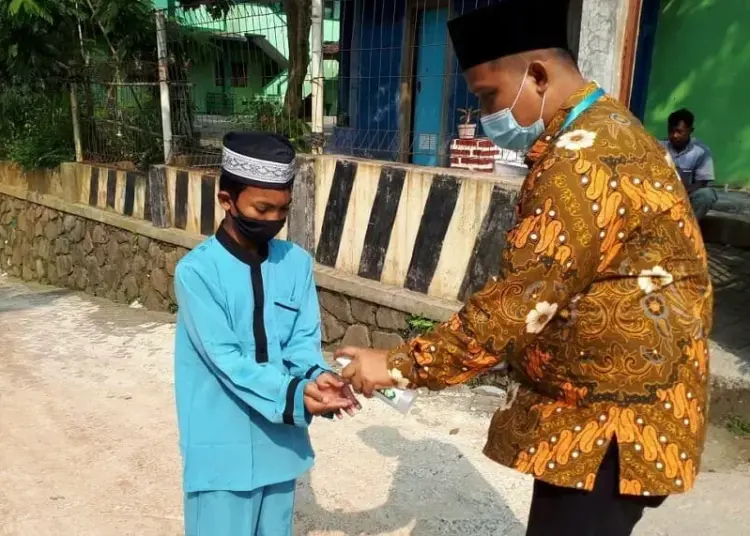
(88, 444)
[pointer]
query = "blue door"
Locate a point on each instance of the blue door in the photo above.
(646, 39)
(428, 87)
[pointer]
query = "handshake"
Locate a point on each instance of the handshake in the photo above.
(334, 394)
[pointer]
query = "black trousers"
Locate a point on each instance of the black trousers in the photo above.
(558, 511)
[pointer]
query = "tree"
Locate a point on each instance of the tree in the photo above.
(299, 21)
(36, 41)
(103, 43)
(99, 44)
(35, 120)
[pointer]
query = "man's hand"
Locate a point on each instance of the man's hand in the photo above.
(368, 370)
(320, 403)
(331, 384)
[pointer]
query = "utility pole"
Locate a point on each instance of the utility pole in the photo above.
(316, 70)
(166, 113)
(76, 122)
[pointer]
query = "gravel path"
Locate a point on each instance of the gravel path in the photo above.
(88, 444)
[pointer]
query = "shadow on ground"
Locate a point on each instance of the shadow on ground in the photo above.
(730, 272)
(13, 300)
(434, 491)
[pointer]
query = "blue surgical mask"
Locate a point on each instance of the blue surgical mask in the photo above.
(505, 132)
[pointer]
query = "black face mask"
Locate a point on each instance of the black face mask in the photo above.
(259, 232)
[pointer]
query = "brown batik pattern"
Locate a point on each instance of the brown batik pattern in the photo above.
(602, 310)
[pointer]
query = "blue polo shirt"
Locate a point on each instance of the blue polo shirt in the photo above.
(694, 163)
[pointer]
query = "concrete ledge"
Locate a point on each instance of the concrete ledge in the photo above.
(434, 231)
(385, 295)
(727, 229)
(509, 176)
(327, 278)
(141, 227)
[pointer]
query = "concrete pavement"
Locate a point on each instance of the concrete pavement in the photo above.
(88, 443)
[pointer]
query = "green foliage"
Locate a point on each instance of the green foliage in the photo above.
(50, 43)
(128, 128)
(36, 39)
(268, 115)
(99, 45)
(419, 325)
(58, 38)
(467, 114)
(31, 7)
(738, 426)
(35, 126)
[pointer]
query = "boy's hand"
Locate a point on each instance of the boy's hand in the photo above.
(319, 402)
(331, 383)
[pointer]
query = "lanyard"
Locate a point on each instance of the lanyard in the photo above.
(582, 106)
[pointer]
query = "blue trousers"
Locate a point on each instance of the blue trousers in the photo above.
(267, 511)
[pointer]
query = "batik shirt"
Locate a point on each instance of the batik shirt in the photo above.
(602, 311)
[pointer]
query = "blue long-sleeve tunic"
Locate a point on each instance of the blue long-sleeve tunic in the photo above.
(247, 341)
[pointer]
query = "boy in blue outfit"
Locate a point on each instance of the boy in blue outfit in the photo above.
(249, 371)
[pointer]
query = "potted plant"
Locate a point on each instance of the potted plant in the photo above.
(466, 129)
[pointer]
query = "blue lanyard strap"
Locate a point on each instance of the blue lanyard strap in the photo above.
(582, 106)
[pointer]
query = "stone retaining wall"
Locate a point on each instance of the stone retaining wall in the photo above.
(430, 231)
(349, 321)
(41, 244)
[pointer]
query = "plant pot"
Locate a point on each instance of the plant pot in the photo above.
(467, 131)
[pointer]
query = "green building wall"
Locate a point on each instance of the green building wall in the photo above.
(251, 19)
(701, 61)
(203, 77)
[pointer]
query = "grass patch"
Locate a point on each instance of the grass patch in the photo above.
(419, 325)
(738, 426)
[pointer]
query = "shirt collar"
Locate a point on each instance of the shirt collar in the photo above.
(242, 254)
(553, 128)
(682, 151)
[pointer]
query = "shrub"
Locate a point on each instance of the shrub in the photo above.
(125, 129)
(267, 115)
(35, 126)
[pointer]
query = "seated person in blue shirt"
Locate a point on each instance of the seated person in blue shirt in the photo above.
(693, 161)
(249, 371)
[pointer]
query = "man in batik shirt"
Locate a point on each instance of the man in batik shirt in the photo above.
(603, 305)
